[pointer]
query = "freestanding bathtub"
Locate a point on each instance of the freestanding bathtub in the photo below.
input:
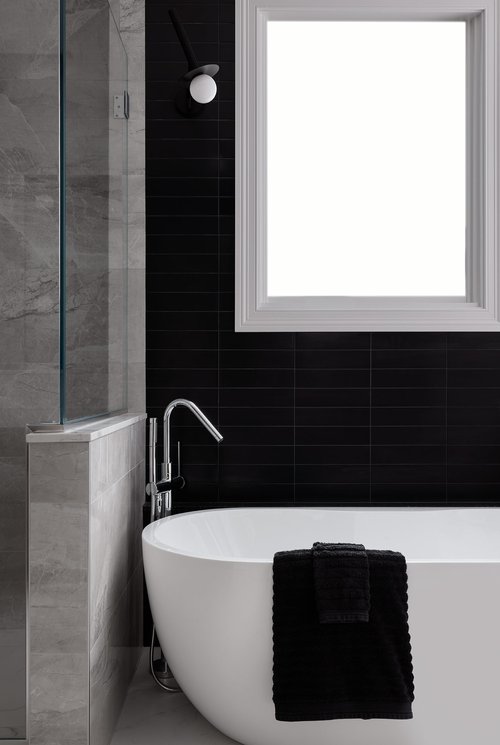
(209, 577)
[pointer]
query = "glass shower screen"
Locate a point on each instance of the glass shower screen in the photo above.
(94, 215)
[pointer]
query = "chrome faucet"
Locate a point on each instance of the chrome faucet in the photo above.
(161, 491)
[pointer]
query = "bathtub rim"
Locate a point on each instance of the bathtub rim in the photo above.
(174, 551)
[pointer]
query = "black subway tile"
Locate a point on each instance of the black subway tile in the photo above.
(407, 358)
(239, 397)
(407, 378)
(474, 396)
(474, 494)
(473, 358)
(251, 359)
(187, 320)
(253, 416)
(473, 473)
(160, 397)
(473, 454)
(409, 474)
(262, 436)
(332, 378)
(408, 454)
(476, 435)
(191, 359)
(181, 340)
(308, 495)
(478, 341)
(404, 416)
(263, 494)
(172, 377)
(414, 340)
(179, 282)
(249, 455)
(332, 474)
(329, 455)
(332, 360)
(321, 397)
(252, 473)
(332, 436)
(331, 341)
(473, 415)
(401, 435)
(332, 416)
(408, 495)
(409, 396)
(256, 378)
(469, 378)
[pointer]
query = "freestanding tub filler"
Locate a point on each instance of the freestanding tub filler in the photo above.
(209, 578)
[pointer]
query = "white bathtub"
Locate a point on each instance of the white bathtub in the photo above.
(209, 577)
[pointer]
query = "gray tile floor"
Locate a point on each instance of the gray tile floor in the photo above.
(151, 716)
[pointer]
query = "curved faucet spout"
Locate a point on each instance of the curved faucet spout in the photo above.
(166, 427)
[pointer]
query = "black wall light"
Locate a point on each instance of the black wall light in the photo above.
(198, 84)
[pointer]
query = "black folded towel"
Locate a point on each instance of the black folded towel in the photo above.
(341, 582)
(341, 670)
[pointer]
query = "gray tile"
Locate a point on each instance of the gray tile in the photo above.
(115, 546)
(59, 472)
(136, 245)
(118, 455)
(137, 443)
(27, 395)
(137, 387)
(58, 629)
(59, 699)
(113, 660)
(136, 194)
(12, 442)
(58, 555)
(12, 590)
(12, 526)
(13, 684)
(132, 16)
(98, 467)
(13, 479)
(136, 302)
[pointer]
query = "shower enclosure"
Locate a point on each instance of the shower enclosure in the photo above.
(63, 262)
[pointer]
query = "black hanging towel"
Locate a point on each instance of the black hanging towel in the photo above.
(341, 582)
(341, 670)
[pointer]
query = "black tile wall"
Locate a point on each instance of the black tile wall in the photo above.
(380, 419)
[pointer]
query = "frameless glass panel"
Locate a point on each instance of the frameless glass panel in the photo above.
(366, 157)
(94, 253)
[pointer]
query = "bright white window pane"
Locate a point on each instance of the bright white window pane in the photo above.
(366, 158)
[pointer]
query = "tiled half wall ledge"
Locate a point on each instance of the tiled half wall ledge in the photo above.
(86, 490)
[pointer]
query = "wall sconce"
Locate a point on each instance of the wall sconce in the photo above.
(198, 84)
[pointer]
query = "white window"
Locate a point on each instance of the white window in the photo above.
(367, 166)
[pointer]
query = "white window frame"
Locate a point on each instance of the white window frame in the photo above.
(480, 309)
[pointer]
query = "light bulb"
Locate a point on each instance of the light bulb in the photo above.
(203, 88)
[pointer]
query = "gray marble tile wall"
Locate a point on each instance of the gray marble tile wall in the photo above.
(115, 591)
(29, 282)
(85, 583)
(29, 266)
(58, 605)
